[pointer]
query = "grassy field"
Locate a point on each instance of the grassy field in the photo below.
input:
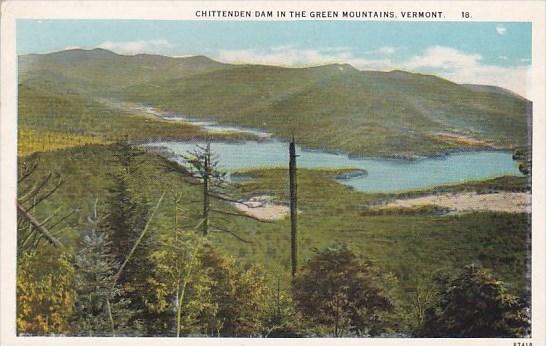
(411, 246)
(31, 141)
(51, 118)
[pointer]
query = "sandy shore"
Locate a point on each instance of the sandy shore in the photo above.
(510, 202)
(261, 207)
(462, 139)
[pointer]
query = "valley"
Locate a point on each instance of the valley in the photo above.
(419, 175)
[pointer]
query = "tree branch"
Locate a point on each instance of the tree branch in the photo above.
(28, 171)
(241, 215)
(61, 219)
(226, 199)
(116, 277)
(46, 195)
(216, 229)
(35, 189)
(46, 220)
(39, 227)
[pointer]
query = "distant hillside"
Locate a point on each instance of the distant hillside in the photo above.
(334, 106)
(104, 68)
(492, 89)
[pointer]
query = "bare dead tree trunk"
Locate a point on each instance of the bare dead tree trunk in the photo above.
(293, 207)
(177, 199)
(278, 298)
(206, 200)
(39, 226)
(182, 293)
(203, 166)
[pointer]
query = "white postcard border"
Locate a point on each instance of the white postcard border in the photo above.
(496, 11)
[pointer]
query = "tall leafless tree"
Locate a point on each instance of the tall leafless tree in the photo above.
(33, 191)
(292, 172)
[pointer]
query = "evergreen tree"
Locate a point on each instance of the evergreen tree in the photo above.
(203, 165)
(94, 284)
(127, 212)
(123, 220)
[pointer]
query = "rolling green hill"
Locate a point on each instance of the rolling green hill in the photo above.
(52, 118)
(105, 69)
(335, 107)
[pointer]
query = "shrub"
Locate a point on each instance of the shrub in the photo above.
(340, 292)
(475, 305)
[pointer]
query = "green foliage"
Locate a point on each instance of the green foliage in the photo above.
(281, 318)
(410, 246)
(341, 292)
(180, 291)
(51, 118)
(45, 292)
(238, 297)
(127, 212)
(398, 113)
(30, 141)
(500, 184)
(100, 70)
(126, 209)
(98, 309)
(400, 211)
(475, 305)
(216, 296)
(65, 100)
(525, 157)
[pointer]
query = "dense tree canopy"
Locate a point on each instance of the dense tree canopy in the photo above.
(475, 305)
(342, 292)
(45, 292)
(178, 280)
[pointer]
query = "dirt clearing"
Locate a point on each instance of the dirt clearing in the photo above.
(262, 207)
(509, 202)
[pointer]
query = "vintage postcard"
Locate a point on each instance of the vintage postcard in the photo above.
(273, 172)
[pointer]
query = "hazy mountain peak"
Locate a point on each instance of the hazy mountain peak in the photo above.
(198, 58)
(336, 67)
(95, 52)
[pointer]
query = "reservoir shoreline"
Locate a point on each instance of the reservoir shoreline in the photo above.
(369, 175)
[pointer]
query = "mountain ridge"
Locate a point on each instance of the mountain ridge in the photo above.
(332, 106)
(205, 59)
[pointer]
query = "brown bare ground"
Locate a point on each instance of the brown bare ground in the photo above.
(261, 207)
(462, 139)
(510, 202)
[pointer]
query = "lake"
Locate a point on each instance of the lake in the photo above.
(384, 175)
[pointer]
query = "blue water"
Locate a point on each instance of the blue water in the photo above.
(384, 175)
